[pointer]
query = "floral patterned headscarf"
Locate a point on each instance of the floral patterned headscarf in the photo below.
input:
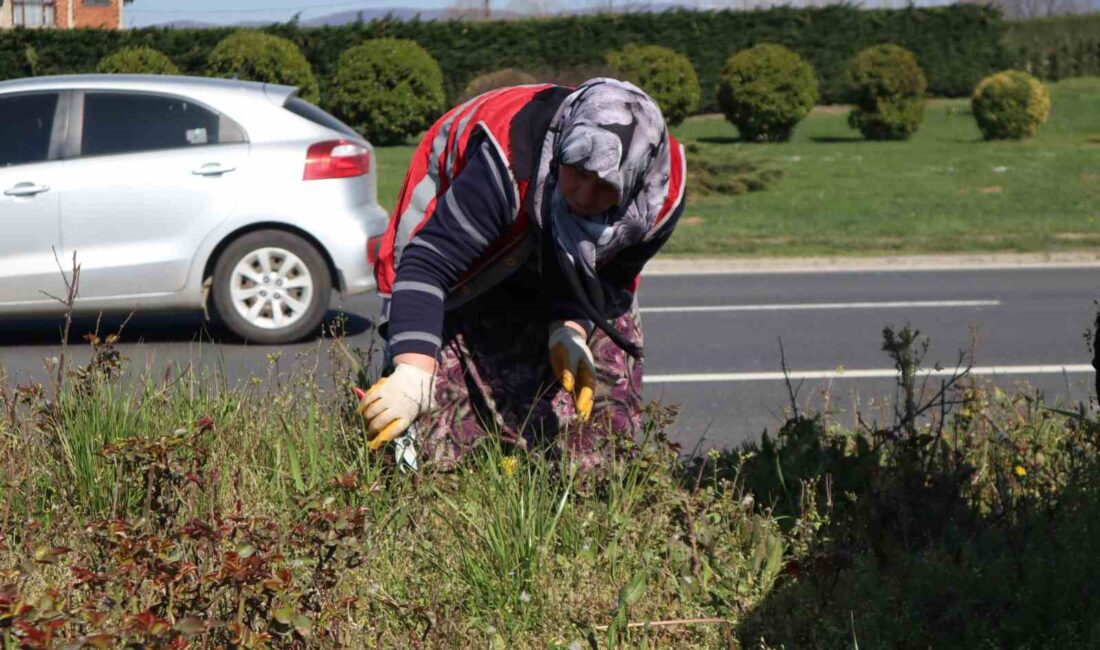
(616, 131)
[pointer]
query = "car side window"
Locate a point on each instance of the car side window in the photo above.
(117, 123)
(28, 124)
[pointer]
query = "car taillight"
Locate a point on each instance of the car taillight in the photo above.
(336, 159)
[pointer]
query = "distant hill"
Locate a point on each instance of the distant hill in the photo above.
(198, 24)
(400, 13)
(344, 18)
(187, 24)
(411, 13)
(369, 14)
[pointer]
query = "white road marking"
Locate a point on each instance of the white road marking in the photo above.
(892, 264)
(913, 304)
(877, 373)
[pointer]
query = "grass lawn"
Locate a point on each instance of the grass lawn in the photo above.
(944, 191)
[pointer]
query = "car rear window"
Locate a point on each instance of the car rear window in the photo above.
(116, 123)
(302, 108)
(129, 122)
(28, 124)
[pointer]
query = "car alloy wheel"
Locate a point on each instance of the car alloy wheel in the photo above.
(271, 288)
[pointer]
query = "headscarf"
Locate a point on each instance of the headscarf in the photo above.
(613, 129)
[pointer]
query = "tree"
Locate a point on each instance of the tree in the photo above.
(1020, 9)
(484, 9)
(471, 9)
(535, 7)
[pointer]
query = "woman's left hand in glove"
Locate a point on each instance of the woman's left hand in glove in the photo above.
(573, 365)
(393, 403)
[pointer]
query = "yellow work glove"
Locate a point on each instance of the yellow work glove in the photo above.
(573, 365)
(393, 403)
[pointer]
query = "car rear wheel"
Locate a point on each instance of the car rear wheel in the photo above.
(271, 287)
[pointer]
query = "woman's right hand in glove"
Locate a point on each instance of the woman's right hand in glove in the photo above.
(393, 403)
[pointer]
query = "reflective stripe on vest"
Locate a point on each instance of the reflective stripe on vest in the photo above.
(439, 158)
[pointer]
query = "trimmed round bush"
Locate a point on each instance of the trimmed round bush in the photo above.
(388, 89)
(493, 80)
(765, 91)
(257, 56)
(887, 88)
(667, 76)
(573, 75)
(137, 60)
(1010, 105)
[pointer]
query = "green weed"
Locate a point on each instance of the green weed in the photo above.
(183, 512)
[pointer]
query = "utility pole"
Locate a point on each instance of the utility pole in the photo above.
(488, 11)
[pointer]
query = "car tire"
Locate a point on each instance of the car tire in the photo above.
(271, 287)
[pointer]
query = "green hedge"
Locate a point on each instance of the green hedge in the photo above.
(888, 93)
(956, 46)
(136, 60)
(1010, 105)
(765, 92)
(388, 89)
(1056, 48)
(493, 80)
(667, 76)
(256, 56)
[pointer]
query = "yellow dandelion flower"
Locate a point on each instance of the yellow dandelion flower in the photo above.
(1021, 471)
(508, 465)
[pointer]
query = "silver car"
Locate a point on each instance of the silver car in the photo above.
(180, 193)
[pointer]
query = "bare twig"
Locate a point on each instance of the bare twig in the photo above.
(73, 288)
(792, 392)
(727, 627)
(10, 400)
(827, 404)
(125, 323)
(696, 563)
(168, 381)
(402, 607)
(908, 351)
(670, 623)
(1096, 353)
(863, 423)
(699, 477)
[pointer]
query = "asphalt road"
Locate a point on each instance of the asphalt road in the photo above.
(1010, 318)
(713, 341)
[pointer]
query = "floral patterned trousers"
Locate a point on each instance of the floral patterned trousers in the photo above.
(494, 378)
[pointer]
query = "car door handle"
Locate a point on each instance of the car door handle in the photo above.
(213, 169)
(26, 189)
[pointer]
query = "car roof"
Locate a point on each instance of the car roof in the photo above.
(150, 82)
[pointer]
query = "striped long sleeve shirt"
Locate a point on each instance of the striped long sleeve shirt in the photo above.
(473, 213)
